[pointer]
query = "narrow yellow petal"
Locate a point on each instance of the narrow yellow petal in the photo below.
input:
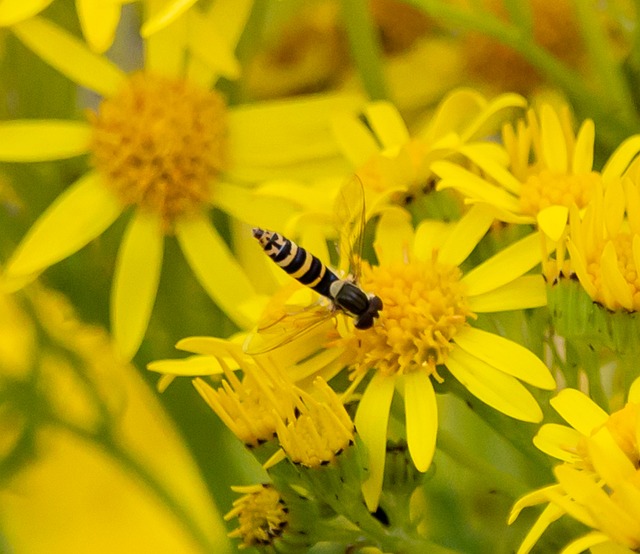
(558, 441)
(550, 514)
(99, 21)
(583, 150)
(165, 49)
(614, 207)
(621, 158)
(371, 422)
(217, 270)
(13, 11)
(210, 346)
(587, 542)
(355, 140)
(634, 390)
(506, 356)
(492, 168)
(552, 221)
(579, 266)
(609, 461)
(466, 235)
(453, 114)
(209, 45)
(429, 236)
(579, 411)
(70, 56)
(533, 498)
(528, 291)
(494, 387)
(473, 186)
(37, 140)
(554, 146)
(230, 17)
(187, 367)
(492, 113)
(422, 418)
(505, 266)
(135, 282)
(394, 236)
(612, 278)
(387, 124)
(169, 12)
(77, 216)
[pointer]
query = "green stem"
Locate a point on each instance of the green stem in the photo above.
(365, 47)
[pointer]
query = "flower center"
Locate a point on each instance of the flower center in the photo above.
(425, 305)
(262, 515)
(159, 143)
(547, 188)
(622, 243)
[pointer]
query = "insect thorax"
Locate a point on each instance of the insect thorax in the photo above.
(349, 297)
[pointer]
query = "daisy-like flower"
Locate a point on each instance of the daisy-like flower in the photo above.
(394, 165)
(423, 331)
(598, 482)
(550, 169)
(603, 243)
(162, 143)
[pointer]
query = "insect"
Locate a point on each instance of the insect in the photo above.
(344, 294)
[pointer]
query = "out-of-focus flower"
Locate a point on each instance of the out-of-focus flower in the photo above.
(597, 484)
(497, 66)
(163, 143)
(550, 168)
(81, 433)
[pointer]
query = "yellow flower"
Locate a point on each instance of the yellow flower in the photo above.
(262, 515)
(551, 168)
(164, 144)
(424, 329)
(598, 483)
(79, 426)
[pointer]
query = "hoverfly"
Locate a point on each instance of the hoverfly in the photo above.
(344, 294)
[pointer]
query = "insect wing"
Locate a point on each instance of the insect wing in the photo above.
(349, 213)
(291, 323)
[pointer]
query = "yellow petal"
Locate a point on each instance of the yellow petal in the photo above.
(356, 142)
(594, 539)
(583, 150)
(528, 291)
(579, 411)
(135, 282)
(538, 496)
(492, 168)
(578, 264)
(165, 49)
(99, 21)
(614, 207)
(612, 278)
(558, 441)
(505, 266)
(550, 514)
(453, 114)
(609, 461)
(466, 235)
(393, 236)
(473, 186)
(210, 346)
(494, 387)
(506, 356)
(493, 113)
(207, 43)
(275, 134)
(387, 123)
(554, 145)
(217, 270)
(191, 366)
(70, 56)
(371, 422)
(167, 13)
(13, 11)
(552, 221)
(422, 418)
(621, 158)
(77, 216)
(37, 140)
(634, 390)
(429, 236)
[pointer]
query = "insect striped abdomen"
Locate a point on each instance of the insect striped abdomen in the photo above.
(296, 261)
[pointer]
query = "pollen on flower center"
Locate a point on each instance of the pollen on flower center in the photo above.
(425, 305)
(547, 188)
(159, 142)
